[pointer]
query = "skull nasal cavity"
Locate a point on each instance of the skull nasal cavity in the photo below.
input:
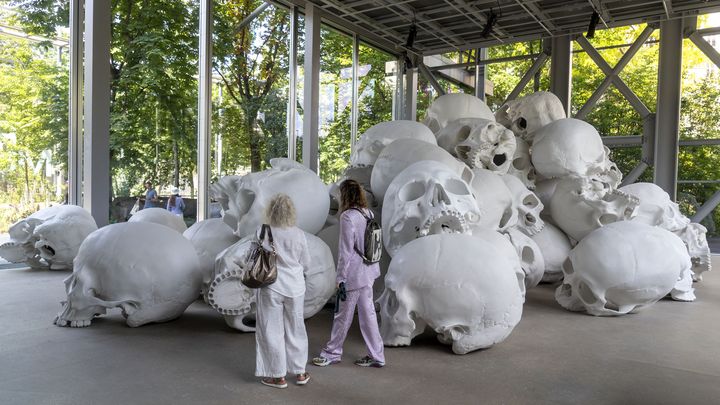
(439, 195)
(498, 160)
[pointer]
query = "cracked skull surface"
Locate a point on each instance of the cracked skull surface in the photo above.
(426, 198)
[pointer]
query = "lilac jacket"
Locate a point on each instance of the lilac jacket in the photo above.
(351, 269)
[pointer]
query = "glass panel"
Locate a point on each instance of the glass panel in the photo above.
(376, 87)
(250, 93)
(33, 109)
(335, 102)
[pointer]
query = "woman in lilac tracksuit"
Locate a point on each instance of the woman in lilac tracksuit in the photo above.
(358, 278)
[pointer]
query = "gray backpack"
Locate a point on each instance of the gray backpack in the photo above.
(373, 240)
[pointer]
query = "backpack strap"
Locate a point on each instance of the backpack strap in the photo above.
(367, 219)
(363, 213)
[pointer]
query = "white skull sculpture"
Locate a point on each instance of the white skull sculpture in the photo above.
(426, 198)
(555, 247)
(490, 146)
(209, 237)
(244, 198)
(496, 202)
(655, 207)
(583, 204)
(568, 147)
(450, 107)
(468, 289)
(621, 267)
(376, 138)
(527, 204)
(531, 257)
(237, 303)
(404, 152)
(49, 237)
(521, 165)
(694, 237)
(545, 189)
(526, 115)
(160, 216)
(148, 270)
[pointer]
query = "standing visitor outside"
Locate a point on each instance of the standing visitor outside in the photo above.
(151, 198)
(357, 278)
(175, 203)
(280, 336)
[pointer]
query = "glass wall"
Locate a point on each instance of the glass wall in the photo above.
(33, 111)
(250, 87)
(376, 87)
(335, 110)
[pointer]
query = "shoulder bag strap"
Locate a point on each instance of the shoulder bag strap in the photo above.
(270, 236)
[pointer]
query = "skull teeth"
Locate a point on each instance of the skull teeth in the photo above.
(446, 222)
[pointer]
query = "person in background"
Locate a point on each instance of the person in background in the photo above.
(151, 197)
(280, 336)
(358, 279)
(175, 203)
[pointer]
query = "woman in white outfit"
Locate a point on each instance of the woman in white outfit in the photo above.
(280, 336)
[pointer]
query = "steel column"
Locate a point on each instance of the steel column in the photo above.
(398, 94)
(410, 97)
(204, 109)
(75, 138)
(668, 106)
(355, 86)
(292, 85)
(96, 140)
(561, 70)
(536, 66)
(312, 88)
(480, 54)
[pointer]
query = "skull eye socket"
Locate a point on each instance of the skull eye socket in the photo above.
(530, 201)
(411, 191)
(463, 133)
(521, 123)
(457, 187)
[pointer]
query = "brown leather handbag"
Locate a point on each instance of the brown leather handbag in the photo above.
(261, 266)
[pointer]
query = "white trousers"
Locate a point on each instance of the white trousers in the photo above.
(280, 338)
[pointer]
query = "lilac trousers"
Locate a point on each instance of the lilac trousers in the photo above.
(362, 297)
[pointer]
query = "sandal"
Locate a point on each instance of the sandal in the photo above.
(274, 382)
(302, 379)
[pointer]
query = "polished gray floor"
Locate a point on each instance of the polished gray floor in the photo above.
(667, 354)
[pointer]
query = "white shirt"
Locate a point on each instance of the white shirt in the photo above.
(293, 259)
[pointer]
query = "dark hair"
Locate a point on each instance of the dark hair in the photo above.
(352, 195)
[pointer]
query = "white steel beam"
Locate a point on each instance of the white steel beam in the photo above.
(480, 54)
(668, 106)
(204, 109)
(292, 85)
(430, 78)
(410, 97)
(75, 98)
(354, 110)
(561, 70)
(312, 88)
(706, 48)
(96, 142)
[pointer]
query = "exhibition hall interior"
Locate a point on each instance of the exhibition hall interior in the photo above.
(517, 199)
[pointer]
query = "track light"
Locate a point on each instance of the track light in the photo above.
(593, 23)
(489, 24)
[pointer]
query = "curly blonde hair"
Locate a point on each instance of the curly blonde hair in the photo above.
(280, 211)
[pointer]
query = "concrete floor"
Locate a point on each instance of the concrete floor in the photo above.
(667, 354)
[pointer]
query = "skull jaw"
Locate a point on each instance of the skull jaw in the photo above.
(77, 317)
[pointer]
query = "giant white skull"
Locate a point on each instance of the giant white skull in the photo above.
(237, 303)
(694, 237)
(622, 267)
(496, 202)
(426, 198)
(527, 114)
(583, 204)
(545, 189)
(244, 198)
(404, 152)
(490, 146)
(376, 138)
(450, 107)
(160, 216)
(655, 207)
(468, 289)
(527, 204)
(49, 237)
(555, 247)
(148, 270)
(521, 165)
(568, 147)
(209, 237)
(531, 257)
